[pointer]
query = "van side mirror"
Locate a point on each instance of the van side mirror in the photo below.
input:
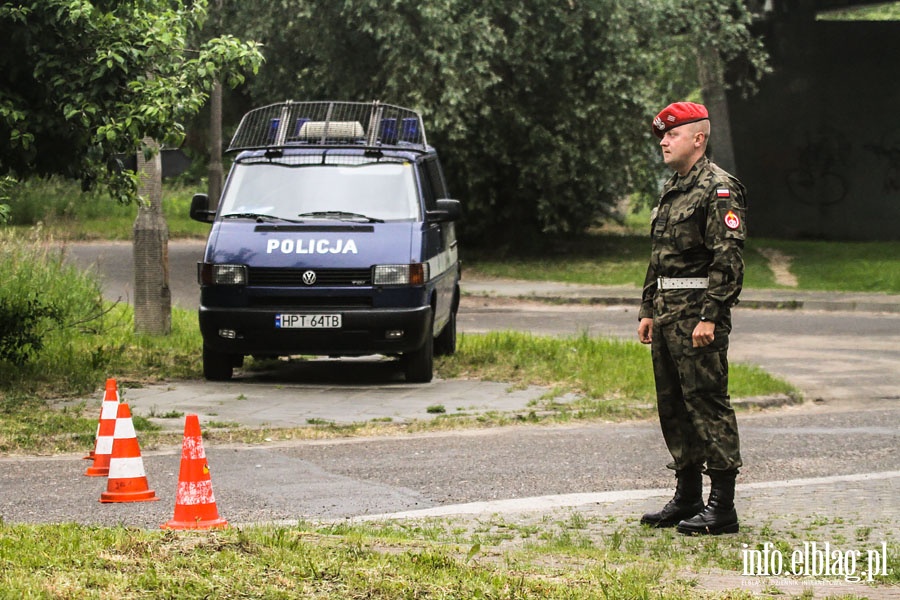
(200, 209)
(447, 210)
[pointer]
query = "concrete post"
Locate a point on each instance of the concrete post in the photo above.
(152, 297)
(216, 171)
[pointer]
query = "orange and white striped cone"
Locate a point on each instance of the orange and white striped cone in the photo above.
(106, 427)
(111, 390)
(195, 505)
(127, 480)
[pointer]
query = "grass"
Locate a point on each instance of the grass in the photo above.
(848, 266)
(606, 379)
(620, 258)
(611, 260)
(565, 554)
(62, 211)
(610, 378)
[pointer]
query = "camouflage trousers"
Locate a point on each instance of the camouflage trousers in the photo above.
(695, 413)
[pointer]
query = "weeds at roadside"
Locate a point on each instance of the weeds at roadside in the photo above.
(172, 414)
(378, 560)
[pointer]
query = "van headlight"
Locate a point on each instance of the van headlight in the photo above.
(213, 274)
(414, 274)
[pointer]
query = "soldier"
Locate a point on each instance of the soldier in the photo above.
(694, 278)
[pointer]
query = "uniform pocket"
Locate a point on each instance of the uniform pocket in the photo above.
(687, 228)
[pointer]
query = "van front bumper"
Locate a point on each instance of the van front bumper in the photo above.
(252, 331)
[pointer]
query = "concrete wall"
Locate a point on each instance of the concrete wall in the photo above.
(819, 147)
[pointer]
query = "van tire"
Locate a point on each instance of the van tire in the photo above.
(217, 366)
(419, 364)
(445, 343)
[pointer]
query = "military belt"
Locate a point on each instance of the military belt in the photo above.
(681, 283)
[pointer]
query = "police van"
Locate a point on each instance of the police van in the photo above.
(334, 236)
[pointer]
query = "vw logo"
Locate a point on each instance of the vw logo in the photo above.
(309, 277)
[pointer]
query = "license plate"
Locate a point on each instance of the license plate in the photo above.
(287, 321)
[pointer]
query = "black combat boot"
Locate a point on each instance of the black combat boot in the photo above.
(688, 501)
(719, 515)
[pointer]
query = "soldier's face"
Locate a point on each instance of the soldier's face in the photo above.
(678, 148)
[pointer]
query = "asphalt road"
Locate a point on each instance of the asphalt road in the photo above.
(831, 355)
(850, 361)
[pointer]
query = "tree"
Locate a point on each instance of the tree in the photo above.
(82, 82)
(541, 109)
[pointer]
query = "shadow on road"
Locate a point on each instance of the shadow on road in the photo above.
(373, 370)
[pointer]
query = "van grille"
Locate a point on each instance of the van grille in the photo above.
(312, 302)
(273, 276)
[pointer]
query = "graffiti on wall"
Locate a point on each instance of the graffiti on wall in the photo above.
(818, 181)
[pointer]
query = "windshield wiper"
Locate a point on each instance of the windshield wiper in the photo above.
(258, 216)
(340, 215)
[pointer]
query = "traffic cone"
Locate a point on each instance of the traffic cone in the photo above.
(195, 505)
(106, 427)
(107, 395)
(127, 480)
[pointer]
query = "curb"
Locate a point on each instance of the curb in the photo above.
(775, 401)
(562, 293)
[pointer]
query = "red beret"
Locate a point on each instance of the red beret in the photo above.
(678, 114)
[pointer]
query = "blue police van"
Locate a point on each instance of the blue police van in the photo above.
(334, 236)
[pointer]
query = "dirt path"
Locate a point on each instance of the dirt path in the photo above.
(780, 264)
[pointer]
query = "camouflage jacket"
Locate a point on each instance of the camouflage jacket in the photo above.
(697, 230)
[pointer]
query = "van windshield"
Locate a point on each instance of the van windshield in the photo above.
(382, 191)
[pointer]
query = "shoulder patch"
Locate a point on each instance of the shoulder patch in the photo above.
(723, 192)
(732, 221)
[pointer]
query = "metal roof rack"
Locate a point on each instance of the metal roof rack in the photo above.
(328, 124)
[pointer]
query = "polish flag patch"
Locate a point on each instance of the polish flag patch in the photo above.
(732, 221)
(723, 193)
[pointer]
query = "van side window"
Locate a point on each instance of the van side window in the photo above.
(434, 182)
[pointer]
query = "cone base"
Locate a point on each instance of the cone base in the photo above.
(144, 496)
(97, 471)
(211, 524)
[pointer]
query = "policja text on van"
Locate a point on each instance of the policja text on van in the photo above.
(312, 246)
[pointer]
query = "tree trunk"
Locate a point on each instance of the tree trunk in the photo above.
(712, 84)
(215, 173)
(152, 297)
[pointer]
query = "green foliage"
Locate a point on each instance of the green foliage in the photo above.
(82, 82)
(540, 109)
(883, 12)
(6, 184)
(66, 338)
(22, 320)
(75, 358)
(63, 212)
(41, 297)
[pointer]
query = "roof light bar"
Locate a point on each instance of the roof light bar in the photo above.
(318, 124)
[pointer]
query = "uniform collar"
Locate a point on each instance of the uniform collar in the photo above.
(687, 181)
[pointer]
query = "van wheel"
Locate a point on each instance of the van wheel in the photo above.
(445, 343)
(419, 364)
(217, 366)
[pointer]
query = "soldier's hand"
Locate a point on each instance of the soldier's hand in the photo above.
(704, 334)
(645, 331)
